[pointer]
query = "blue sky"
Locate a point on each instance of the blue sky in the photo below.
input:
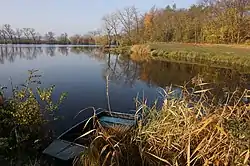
(72, 16)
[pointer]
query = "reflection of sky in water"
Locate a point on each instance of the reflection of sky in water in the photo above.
(83, 77)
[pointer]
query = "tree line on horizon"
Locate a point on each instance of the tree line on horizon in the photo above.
(209, 21)
(9, 35)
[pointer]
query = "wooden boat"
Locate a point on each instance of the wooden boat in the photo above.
(66, 148)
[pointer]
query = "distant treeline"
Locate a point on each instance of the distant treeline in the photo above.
(8, 35)
(209, 21)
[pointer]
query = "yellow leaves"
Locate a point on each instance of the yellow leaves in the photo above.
(148, 20)
(45, 93)
(26, 109)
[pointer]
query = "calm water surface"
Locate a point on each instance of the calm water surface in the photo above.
(83, 73)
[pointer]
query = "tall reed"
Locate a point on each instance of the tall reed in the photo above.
(192, 130)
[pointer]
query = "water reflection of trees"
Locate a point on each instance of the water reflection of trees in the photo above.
(63, 51)
(11, 53)
(166, 73)
(29, 53)
(122, 70)
(50, 51)
(91, 52)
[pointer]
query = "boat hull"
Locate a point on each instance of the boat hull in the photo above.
(65, 148)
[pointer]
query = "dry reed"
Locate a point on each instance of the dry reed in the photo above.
(189, 131)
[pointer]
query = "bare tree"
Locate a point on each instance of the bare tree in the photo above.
(95, 34)
(136, 19)
(9, 31)
(112, 23)
(19, 33)
(3, 36)
(26, 32)
(76, 39)
(50, 37)
(66, 39)
(30, 34)
(129, 18)
(33, 34)
(108, 31)
(38, 37)
(63, 38)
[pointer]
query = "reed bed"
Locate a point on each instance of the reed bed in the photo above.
(140, 52)
(185, 133)
(110, 146)
(191, 130)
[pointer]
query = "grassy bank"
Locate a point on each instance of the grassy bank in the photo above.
(229, 56)
(190, 131)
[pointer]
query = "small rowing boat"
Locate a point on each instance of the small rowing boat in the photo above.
(67, 146)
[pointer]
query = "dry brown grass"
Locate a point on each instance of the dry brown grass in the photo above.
(188, 131)
(111, 146)
(140, 52)
(203, 134)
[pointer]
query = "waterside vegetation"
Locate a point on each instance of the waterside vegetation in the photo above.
(213, 32)
(215, 55)
(196, 129)
(208, 21)
(23, 117)
(192, 130)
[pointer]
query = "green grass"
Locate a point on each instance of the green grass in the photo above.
(226, 56)
(227, 50)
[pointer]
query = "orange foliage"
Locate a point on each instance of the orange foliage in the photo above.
(148, 20)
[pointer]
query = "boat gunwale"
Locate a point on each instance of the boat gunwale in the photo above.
(116, 114)
(99, 114)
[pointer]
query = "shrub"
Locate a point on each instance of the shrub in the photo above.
(23, 116)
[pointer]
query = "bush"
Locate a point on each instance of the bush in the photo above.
(23, 116)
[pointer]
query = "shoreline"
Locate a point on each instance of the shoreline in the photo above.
(235, 57)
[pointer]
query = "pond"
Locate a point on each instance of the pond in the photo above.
(87, 75)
